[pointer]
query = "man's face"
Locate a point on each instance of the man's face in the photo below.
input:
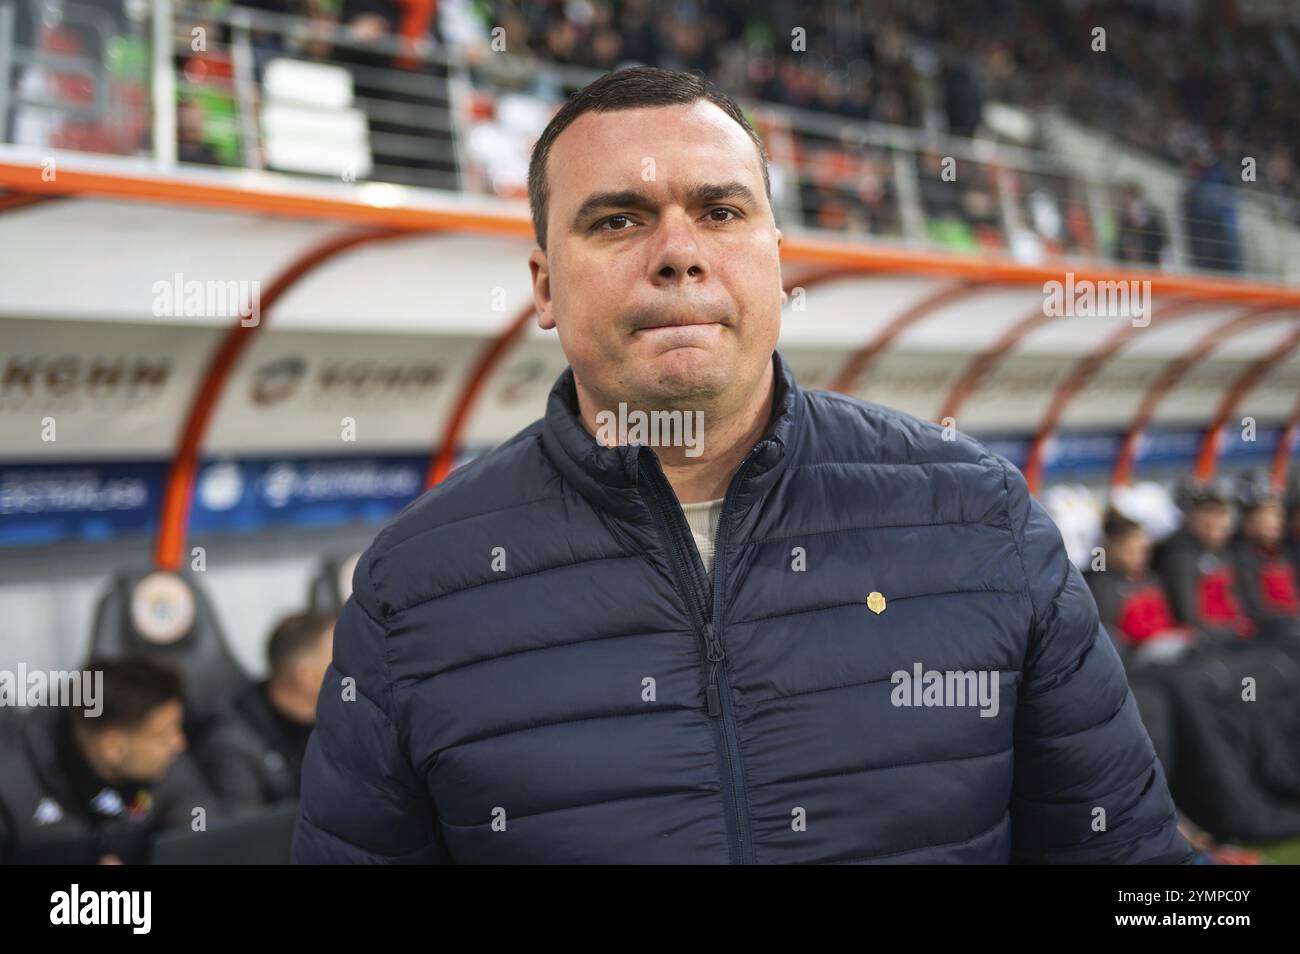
(309, 672)
(666, 293)
(1263, 524)
(144, 752)
(1130, 553)
(1210, 524)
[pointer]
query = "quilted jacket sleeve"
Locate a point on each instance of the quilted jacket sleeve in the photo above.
(1088, 788)
(362, 802)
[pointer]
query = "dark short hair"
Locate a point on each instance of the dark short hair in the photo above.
(293, 637)
(636, 87)
(1116, 526)
(133, 687)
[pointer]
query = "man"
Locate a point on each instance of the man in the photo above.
(1130, 601)
(1244, 781)
(1266, 579)
(253, 757)
(1293, 526)
(539, 665)
(1133, 608)
(1196, 570)
(78, 787)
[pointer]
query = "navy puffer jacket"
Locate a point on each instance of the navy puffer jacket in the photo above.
(534, 666)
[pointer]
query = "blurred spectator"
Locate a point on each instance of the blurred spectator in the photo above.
(254, 757)
(1266, 578)
(1135, 613)
(959, 201)
(191, 138)
(1193, 564)
(1210, 214)
(849, 190)
(271, 43)
(962, 99)
(370, 21)
(402, 88)
(1293, 526)
(79, 788)
(411, 25)
(1131, 601)
(941, 201)
(1142, 236)
(513, 66)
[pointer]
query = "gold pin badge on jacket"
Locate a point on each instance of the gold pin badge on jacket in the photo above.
(875, 602)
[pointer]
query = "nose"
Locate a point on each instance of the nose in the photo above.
(677, 258)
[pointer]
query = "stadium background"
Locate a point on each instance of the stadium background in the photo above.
(364, 163)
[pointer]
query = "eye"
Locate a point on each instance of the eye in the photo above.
(732, 213)
(614, 218)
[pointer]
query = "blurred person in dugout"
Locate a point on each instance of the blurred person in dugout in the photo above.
(585, 648)
(1196, 567)
(1293, 525)
(254, 756)
(93, 783)
(1266, 577)
(1131, 600)
(1135, 611)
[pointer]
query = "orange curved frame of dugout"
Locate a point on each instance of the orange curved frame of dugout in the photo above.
(1282, 455)
(1085, 369)
(445, 450)
(845, 254)
(1172, 373)
(860, 361)
(982, 365)
(844, 257)
(178, 491)
(1211, 443)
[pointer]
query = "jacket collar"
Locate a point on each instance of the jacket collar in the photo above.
(609, 476)
(60, 769)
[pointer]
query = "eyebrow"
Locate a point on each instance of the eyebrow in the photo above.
(702, 194)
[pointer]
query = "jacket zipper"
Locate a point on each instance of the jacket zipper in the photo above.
(717, 696)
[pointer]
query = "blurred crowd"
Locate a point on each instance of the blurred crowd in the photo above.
(1194, 90)
(1201, 93)
(1204, 94)
(1209, 583)
(1207, 624)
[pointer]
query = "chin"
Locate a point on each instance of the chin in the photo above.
(688, 369)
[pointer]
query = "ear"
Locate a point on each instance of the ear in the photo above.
(542, 302)
(785, 296)
(112, 746)
(298, 675)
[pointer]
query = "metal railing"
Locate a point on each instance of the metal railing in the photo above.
(434, 118)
